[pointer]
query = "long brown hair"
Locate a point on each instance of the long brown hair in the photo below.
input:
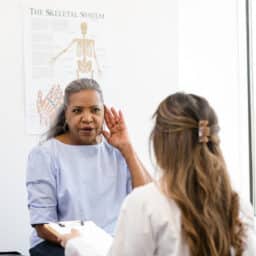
(186, 146)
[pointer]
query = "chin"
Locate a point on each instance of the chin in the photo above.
(88, 141)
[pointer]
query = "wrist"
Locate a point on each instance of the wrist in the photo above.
(126, 149)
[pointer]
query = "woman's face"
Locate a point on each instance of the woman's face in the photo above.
(84, 117)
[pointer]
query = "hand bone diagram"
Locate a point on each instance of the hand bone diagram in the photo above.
(47, 105)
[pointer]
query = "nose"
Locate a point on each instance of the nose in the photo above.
(87, 117)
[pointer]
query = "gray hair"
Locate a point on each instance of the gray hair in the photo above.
(59, 125)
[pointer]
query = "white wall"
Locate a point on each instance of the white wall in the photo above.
(212, 63)
(145, 67)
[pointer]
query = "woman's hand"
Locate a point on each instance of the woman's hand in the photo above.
(118, 137)
(118, 134)
(63, 239)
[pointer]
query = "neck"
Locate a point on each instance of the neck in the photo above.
(66, 138)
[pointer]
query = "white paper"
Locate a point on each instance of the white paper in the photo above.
(93, 241)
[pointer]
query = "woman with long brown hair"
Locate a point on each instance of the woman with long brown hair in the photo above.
(192, 210)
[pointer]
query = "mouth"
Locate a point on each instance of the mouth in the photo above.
(86, 131)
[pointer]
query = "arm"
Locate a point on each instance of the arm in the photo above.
(139, 174)
(118, 137)
(41, 189)
(46, 234)
(53, 59)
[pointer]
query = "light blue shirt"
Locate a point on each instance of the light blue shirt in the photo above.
(70, 182)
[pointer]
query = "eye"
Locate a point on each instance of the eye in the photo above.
(76, 110)
(96, 110)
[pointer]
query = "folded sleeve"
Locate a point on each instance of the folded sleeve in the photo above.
(41, 187)
(134, 234)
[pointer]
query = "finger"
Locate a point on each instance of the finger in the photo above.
(59, 238)
(59, 102)
(51, 106)
(110, 118)
(47, 106)
(121, 117)
(54, 96)
(115, 115)
(108, 124)
(58, 92)
(106, 117)
(49, 94)
(63, 243)
(75, 231)
(53, 89)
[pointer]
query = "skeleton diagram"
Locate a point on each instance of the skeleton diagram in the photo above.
(85, 53)
(48, 105)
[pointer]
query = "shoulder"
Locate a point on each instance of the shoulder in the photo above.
(162, 212)
(138, 198)
(45, 149)
(142, 194)
(149, 196)
(41, 161)
(138, 203)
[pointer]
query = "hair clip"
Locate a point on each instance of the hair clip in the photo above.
(203, 131)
